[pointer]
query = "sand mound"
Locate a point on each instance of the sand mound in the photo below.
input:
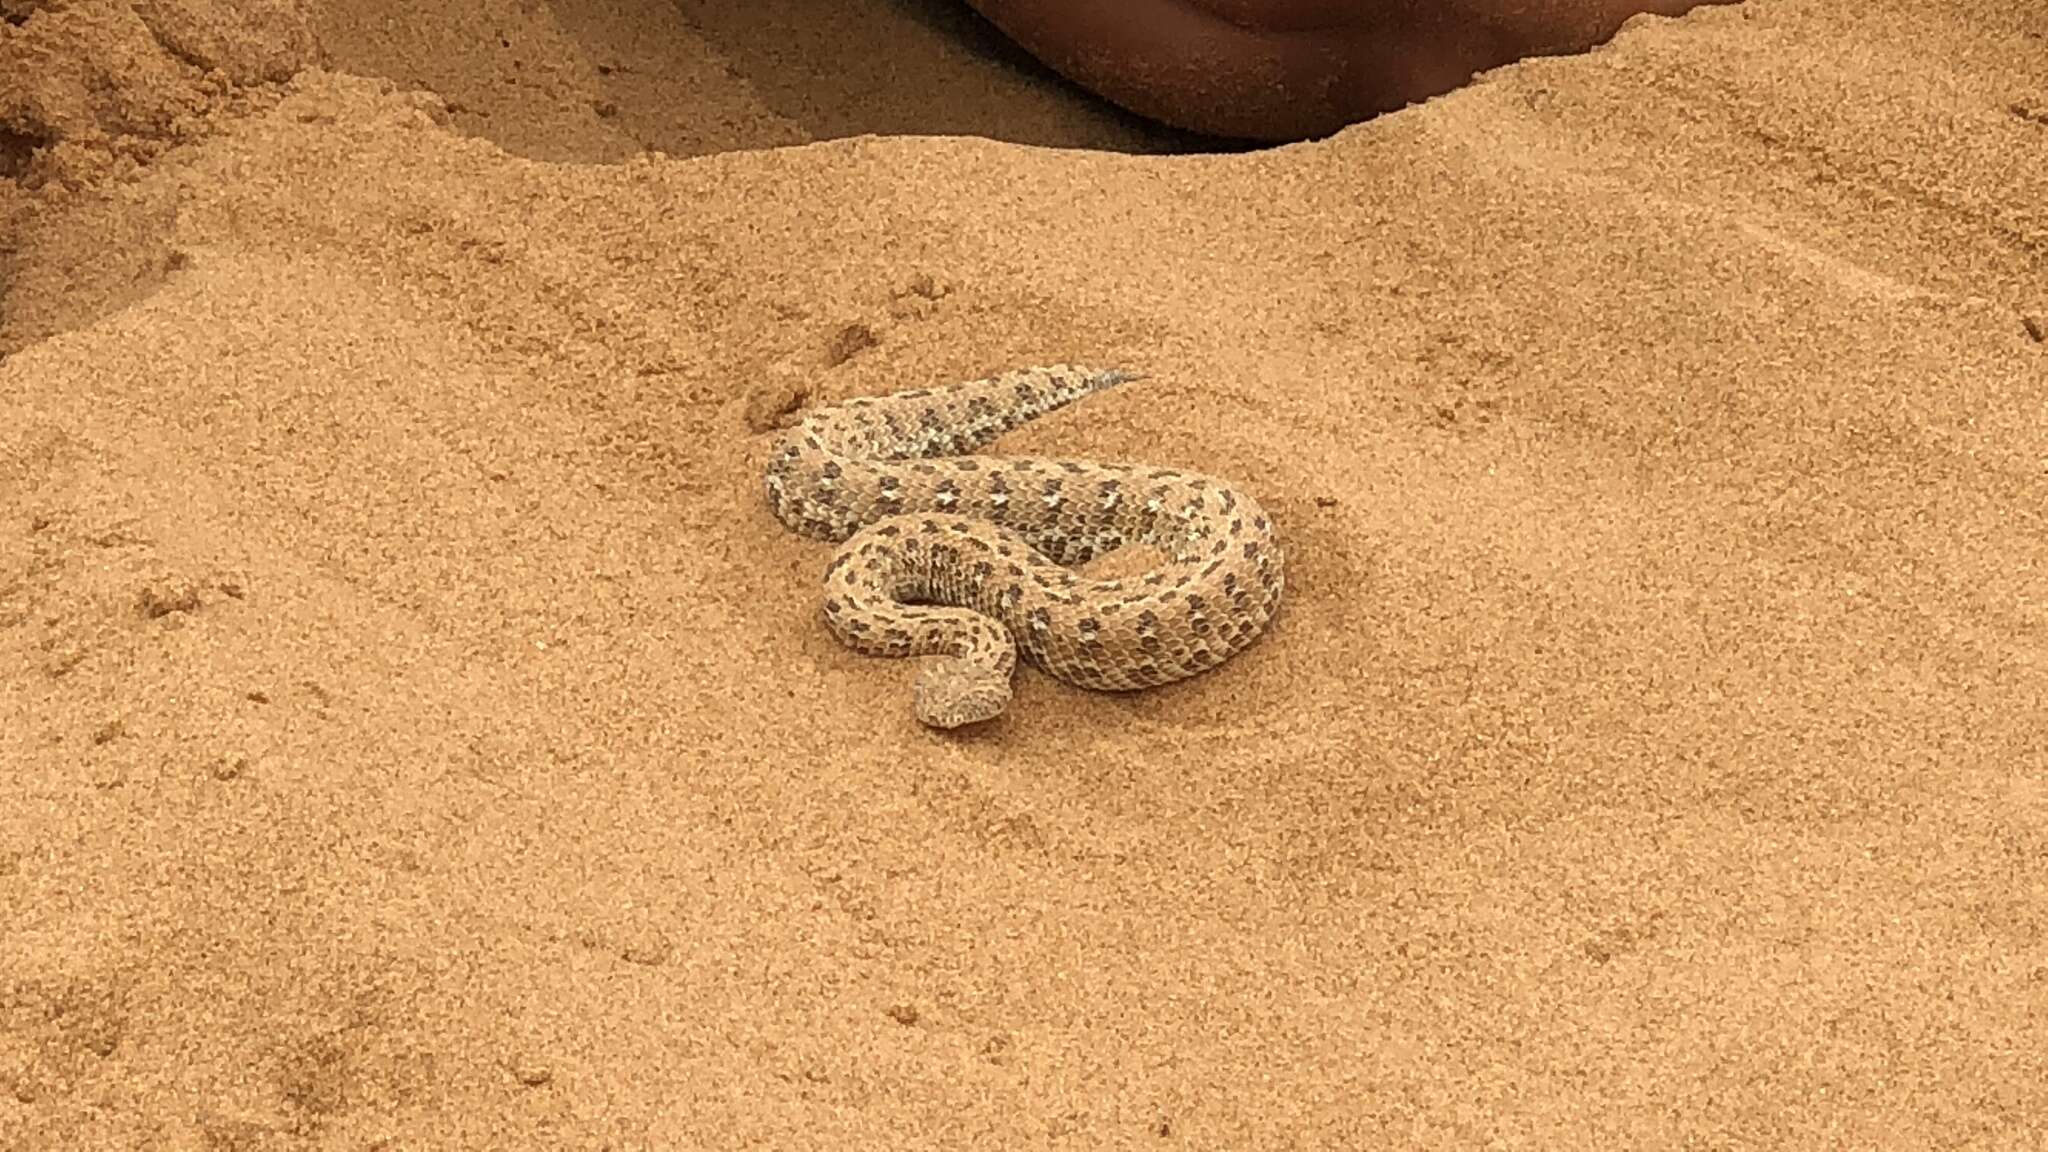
(416, 730)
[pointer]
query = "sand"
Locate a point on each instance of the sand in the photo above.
(417, 733)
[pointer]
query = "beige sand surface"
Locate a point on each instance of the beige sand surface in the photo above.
(416, 733)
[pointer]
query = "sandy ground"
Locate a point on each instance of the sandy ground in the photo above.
(418, 734)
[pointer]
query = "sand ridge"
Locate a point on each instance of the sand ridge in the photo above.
(418, 730)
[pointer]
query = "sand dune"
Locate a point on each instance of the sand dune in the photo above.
(416, 728)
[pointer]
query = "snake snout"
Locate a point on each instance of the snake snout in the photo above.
(952, 693)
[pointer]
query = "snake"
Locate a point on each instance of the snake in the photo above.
(969, 559)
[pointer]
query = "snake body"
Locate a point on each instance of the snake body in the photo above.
(966, 557)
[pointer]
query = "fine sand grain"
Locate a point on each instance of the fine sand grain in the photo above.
(415, 731)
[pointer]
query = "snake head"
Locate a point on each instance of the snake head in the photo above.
(953, 692)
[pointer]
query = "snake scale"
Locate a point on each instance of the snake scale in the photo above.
(968, 557)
